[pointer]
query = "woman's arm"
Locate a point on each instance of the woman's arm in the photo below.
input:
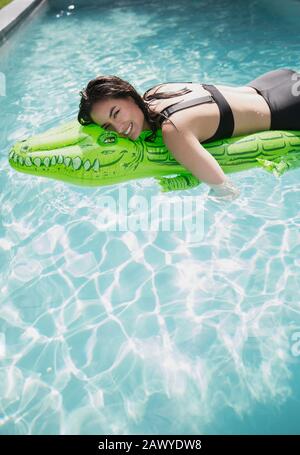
(187, 150)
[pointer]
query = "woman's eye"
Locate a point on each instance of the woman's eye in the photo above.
(107, 128)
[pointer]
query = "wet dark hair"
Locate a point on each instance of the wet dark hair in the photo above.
(103, 87)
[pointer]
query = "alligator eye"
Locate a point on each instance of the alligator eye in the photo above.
(107, 138)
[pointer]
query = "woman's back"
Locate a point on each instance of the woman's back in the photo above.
(249, 109)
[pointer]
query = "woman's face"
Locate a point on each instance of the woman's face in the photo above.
(117, 114)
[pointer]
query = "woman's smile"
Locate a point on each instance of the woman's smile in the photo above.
(129, 129)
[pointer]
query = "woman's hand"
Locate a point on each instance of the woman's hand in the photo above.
(225, 191)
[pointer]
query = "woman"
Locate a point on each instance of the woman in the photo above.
(200, 114)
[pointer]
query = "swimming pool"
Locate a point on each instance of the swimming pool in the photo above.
(145, 331)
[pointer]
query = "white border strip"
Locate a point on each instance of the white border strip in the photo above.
(12, 14)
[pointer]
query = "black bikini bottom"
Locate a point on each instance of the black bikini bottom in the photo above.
(281, 90)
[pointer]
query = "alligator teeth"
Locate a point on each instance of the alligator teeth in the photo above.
(96, 165)
(37, 162)
(77, 163)
(87, 165)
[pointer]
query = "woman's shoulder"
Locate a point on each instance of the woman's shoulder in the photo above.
(166, 87)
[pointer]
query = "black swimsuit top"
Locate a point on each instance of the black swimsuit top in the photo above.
(226, 125)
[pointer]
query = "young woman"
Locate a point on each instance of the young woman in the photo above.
(200, 113)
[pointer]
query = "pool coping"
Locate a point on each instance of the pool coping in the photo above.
(13, 13)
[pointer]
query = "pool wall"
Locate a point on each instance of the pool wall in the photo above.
(13, 13)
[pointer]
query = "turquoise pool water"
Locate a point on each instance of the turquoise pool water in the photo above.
(140, 331)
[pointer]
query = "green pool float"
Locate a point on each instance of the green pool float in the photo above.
(91, 156)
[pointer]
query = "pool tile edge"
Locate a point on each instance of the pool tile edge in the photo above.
(13, 13)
